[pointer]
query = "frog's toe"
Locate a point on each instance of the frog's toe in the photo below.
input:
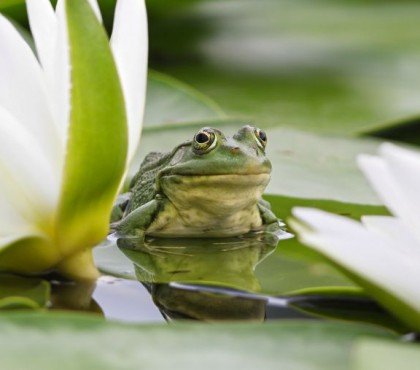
(113, 227)
(130, 242)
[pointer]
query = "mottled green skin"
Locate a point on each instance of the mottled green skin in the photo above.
(187, 193)
(143, 186)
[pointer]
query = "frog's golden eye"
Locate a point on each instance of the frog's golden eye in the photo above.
(261, 137)
(204, 141)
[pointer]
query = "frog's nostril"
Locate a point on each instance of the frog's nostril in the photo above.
(234, 150)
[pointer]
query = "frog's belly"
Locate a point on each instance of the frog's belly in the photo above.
(210, 206)
(196, 223)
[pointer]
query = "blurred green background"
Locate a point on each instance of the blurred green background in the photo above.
(328, 80)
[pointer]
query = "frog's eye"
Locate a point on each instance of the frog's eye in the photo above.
(261, 138)
(204, 141)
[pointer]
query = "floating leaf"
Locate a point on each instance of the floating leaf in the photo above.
(170, 101)
(340, 67)
(77, 341)
(376, 354)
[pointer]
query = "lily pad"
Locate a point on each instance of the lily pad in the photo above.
(18, 292)
(170, 101)
(339, 67)
(77, 341)
(380, 354)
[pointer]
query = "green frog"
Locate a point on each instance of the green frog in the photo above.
(210, 186)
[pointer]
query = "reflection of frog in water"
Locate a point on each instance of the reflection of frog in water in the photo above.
(226, 263)
(208, 187)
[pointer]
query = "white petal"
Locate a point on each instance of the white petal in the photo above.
(61, 82)
(26, 178)
(368, 255)
(11, 221)
(129, 45)
(23, 91)
(391, 190)
(96, 10)
(44, 30)
(393, 229)
(404, 167)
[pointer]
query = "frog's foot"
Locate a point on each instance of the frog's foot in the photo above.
(275, 227)
(135, 224)
(267, 215)
(269, 219)
(131, 242)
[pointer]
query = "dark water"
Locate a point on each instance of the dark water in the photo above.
(206, 280)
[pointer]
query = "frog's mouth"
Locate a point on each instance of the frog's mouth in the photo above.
(228, 180)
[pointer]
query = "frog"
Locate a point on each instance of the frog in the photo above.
(209, 186)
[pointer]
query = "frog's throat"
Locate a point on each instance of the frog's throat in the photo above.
(219, 193)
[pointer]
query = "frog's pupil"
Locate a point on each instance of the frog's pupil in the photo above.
(202, 138)
(263, 135)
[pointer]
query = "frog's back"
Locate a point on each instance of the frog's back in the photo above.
(142, 186)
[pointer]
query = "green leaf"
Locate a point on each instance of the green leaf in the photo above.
(375, 354)
(294, 267)
(77, 341)
(19, 292)
(97, 142)
(170, 101)
(319, 167)
(14, 9)
(340, 67)
(284, 204)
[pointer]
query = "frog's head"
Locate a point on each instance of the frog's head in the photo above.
(216, 169)
(212, 153)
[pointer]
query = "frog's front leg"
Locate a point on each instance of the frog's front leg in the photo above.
(267, 215)
(262, 202)
(135, 224)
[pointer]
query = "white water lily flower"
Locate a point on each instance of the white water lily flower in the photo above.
(382, 253)
(67, 117)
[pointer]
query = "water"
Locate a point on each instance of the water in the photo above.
(206, 280)
(114, 298)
